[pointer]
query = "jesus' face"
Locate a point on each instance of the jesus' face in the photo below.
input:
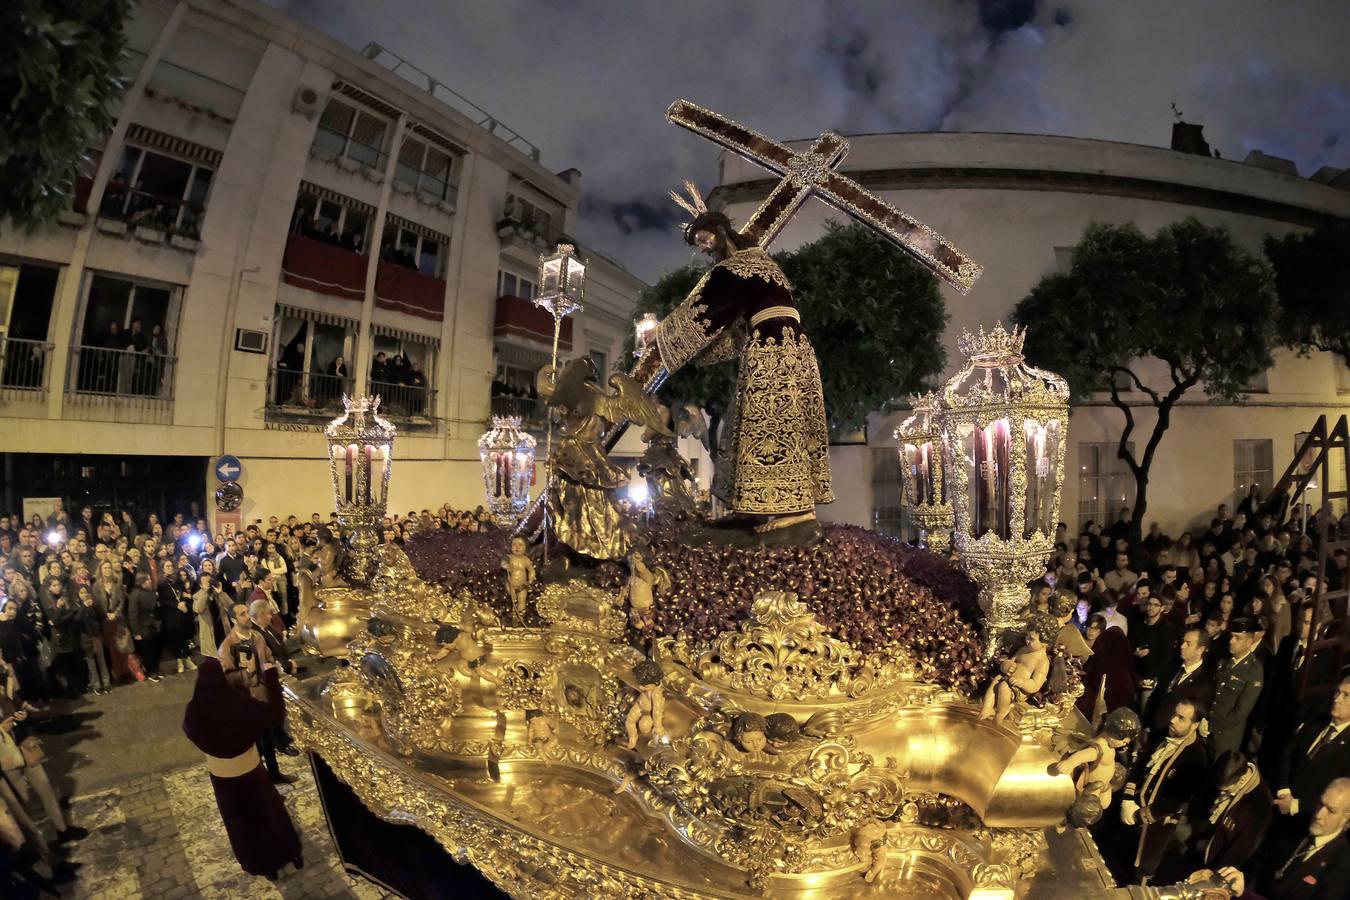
(713, 243)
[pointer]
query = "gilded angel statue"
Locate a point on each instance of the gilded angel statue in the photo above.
(582, 508)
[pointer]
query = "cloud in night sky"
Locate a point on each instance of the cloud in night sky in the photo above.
(588, 81)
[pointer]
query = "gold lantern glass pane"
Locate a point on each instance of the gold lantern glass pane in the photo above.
(1042, 452)
(987, 454)
(550, 276)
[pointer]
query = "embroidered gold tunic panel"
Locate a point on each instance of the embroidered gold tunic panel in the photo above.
(773, 450)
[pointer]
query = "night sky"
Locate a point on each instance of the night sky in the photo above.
(588, 81)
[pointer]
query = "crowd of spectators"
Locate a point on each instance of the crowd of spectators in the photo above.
(96, 602)
(1236, 774)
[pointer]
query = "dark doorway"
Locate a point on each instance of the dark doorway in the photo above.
(139, 484)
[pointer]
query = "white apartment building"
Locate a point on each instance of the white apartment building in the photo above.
(277, 218)
(1017, 204)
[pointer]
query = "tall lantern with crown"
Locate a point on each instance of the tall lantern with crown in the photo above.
(507, 454)
(923, 487)
(361, 453)
(1004, 426)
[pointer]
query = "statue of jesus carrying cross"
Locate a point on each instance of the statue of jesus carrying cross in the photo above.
(773, 450)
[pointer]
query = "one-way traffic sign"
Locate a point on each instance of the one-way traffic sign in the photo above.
(228, 468)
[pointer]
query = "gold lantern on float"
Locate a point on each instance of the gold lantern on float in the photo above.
(923, 488)
(1004, 426)
(360, 453)
(644, 333)
(507, 453)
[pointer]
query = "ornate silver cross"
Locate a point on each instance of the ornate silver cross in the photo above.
(813, 172)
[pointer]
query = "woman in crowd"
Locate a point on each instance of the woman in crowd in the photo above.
(18, 645)
(91, 618)
(277, 565)
(1109, 676)
(175, 616)
(143, 622)
(207, 605)
(110, 593)
(1280, 614)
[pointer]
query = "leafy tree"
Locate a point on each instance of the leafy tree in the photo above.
(874, 315)
(1188, 297)
(58, 80)
(1313, 283)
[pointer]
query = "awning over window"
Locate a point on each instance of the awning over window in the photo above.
(324, 268)
(404, 290)
(521, 318)
(158, 140)
(285, 311)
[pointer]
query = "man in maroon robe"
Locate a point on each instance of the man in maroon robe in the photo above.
(227, 713)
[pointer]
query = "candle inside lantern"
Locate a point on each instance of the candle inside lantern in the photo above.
(644, 332)
(349, 470)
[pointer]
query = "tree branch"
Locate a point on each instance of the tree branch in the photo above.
(1137, 383)
(1123, 451)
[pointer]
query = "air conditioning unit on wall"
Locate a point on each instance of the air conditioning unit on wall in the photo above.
(306, 102)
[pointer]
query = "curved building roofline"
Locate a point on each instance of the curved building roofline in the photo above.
(996, 161)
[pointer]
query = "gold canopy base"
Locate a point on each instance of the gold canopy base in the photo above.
(961, 808)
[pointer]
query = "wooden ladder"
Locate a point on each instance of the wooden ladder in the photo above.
(1331, 618)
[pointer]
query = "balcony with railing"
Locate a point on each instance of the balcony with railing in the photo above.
(520, 320)
(108, 385)
(520, 229)
(334, 146)
(24, 371)
(151, 216)
(406, 290)
(296, 395)
(410, 405)
(533, 411)
(324, 267)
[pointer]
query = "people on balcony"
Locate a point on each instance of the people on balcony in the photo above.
(399, 255)
(401, 384)
(129, 362)
(330, 386)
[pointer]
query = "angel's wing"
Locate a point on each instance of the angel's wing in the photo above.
(631, 403)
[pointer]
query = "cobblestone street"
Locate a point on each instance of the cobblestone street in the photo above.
(145, 797)
(161, 837)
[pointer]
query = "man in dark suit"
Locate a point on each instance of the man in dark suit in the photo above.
(1191, 679)
(1316, 867)
(1285, 709)
(1239, 817)
(1318, 753)
(1162, 785)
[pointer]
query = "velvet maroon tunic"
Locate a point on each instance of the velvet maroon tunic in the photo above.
(225, 723)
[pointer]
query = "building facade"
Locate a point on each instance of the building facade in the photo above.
(1018, 204)
(274, 221)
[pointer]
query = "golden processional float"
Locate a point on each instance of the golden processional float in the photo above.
(606, 702)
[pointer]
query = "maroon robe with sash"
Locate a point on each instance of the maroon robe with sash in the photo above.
(224, 723)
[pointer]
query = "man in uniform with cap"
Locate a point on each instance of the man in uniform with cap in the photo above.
(1237, 685)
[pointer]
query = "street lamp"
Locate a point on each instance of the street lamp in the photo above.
(1004, 426)
(360, 453)
(922, 487)
(562, 281)
(507, 454)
